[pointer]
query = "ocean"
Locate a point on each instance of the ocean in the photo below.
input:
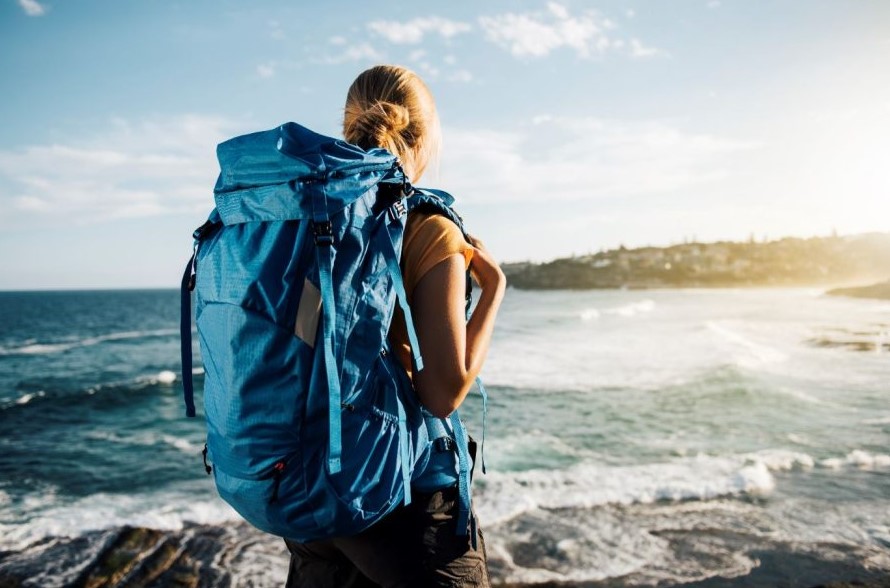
(636, 438)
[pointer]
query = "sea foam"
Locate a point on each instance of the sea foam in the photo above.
(747, 352)
(505, 495)
(165, 377)
(51, 515)
(632, 309)
(30, 347)
(586, 485)
(859, 459)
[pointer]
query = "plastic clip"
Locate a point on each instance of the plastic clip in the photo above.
(207, 467)
(193, 266)
(323, 232)
(397, 210)
(443, 444)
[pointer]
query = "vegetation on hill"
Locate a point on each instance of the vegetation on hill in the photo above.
(784, 262)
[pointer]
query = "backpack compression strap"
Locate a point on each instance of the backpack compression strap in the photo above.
(324, 252)
(324, 241)
(386, 244)
(185, 312)
(463, 480)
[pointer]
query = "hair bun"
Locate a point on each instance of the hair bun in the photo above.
(396, 116)
(381, 121)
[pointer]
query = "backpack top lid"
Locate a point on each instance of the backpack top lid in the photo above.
(271, 175)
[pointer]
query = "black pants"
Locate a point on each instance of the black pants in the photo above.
(416, 546)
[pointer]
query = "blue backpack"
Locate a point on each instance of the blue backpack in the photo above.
(313, 428)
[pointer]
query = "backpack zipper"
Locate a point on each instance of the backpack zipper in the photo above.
(277, 471)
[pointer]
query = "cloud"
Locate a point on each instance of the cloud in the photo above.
(358, 52)
(538, 33)
(413, 31)
(637, 49)
(266, 70)
(460, 76)
(146, 168)
(558, 158)
(32, 7)
(422, 61)
(275, 31)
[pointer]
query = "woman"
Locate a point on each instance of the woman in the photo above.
(389, 106)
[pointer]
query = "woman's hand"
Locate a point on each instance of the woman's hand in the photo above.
(484, 269)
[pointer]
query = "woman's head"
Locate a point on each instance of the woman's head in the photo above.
(389, 106)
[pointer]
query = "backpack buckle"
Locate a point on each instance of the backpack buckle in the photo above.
(323, 232)
(443, 444)
(397, 210)
(203, 230)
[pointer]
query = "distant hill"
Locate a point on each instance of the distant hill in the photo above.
(880, 291)
(817, 261)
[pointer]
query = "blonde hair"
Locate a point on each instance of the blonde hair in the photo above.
(389, 106)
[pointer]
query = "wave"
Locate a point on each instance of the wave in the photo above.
(747, 352)
(501, 496)
(48, 516)
(858, 459)
(148, 440)
(166, 377)
(506, 495)
(31, 347)
(632, 309)
(590, 314)
(26, 398)
(626, 310)
(162, 378)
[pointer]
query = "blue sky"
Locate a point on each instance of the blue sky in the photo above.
(568, 126)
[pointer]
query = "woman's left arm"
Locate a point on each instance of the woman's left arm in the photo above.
(454, 349)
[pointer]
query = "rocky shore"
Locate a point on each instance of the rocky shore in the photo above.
(237, 556)
(198, 556)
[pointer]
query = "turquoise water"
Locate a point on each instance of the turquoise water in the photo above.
(621, 424)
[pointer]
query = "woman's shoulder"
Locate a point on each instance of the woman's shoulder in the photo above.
(430, 221)
(429, 239)
(431, 228)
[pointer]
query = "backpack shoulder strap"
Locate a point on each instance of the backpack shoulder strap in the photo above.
(435, 202)
(439, 202)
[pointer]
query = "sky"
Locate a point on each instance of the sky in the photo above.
(568, 127)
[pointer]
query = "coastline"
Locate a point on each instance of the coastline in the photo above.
(234, 555)
(879, 291)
